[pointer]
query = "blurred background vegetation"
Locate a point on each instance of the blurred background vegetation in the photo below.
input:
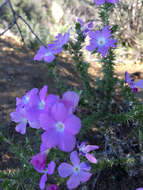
(47, 18)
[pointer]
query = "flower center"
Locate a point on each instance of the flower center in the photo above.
(82, 149)
(24, 120)
(48, 54)
(60, 126)
(101, 41)
(41, 105)
(26, 99)
(76, 169)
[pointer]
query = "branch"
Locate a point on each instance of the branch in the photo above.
(25, 22)
(9, 27)
(15, 17)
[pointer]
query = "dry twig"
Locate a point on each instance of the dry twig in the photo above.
(15, 18)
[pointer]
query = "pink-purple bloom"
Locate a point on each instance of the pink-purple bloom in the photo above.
(85, 149)
(26, 99)
(133, 85)
(29, 108)
(101, 41)
(39, 161)
(78, 172)
(52, 187)
(101, 2)
(61, 128)
(21, 116)
(140, 188)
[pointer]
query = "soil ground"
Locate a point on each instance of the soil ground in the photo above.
(18, 74)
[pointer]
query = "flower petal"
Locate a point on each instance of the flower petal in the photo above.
(59, 111)
(34, 124)
(16, 116)
(91, 158)
(127, 77)
(65, 170)
(43, 92)
(52, 187)
(49, 138)
(99, 2)
(66, 142)
(49, 58)
(21, 128)
(51, 167)
(91, 147)
(73, 182)
(43, 181)
(73, 124)
(85, 166)
(46, 121)
(139, 84)
(72, 98)
(74, 158)
(84, 176)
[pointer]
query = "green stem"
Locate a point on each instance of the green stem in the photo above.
(108, 81)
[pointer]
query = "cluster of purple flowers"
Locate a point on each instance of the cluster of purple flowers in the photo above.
(101, 2)
(48, 53)
(133, 85)
(56, 117)
(52, 114)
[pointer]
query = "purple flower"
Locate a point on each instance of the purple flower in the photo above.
(52, 187)
(39, 161)
(101, 40)
(60, 127)
(133, 85)
(38, 103)
(49, 170)
(83, 149)
(70, 100)
(61, 40)
(26, 99)
(29, 108)
(46, 54)
(19, 116)
(78, 172)
(140, 188)
(101, 2)
(25, 112)
(85, 29)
